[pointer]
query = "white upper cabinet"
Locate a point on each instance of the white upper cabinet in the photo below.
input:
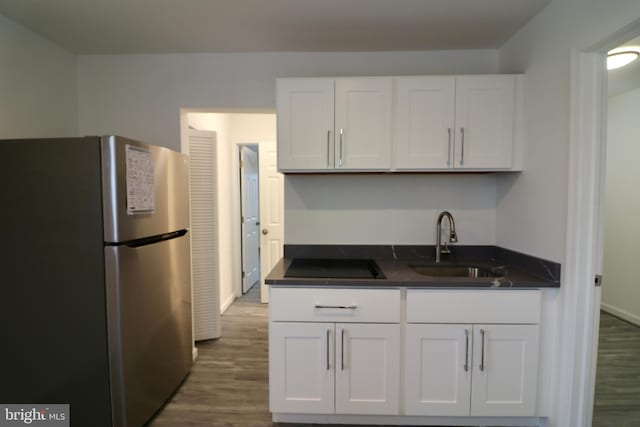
(309, 141)
(425, 108)
(305, 124)
(463, 122)
(485, 111)
(417, 123)
(363, 120)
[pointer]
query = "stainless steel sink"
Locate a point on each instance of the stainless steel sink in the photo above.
(453, 271)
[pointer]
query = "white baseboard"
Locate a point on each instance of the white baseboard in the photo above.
(194, 353)
(623, 314)
(227, 304)
(406, 420)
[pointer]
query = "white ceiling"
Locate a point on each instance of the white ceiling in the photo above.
(163, 26)
(626, 78)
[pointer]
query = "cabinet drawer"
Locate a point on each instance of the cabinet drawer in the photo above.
(334, 305)
(468, 306)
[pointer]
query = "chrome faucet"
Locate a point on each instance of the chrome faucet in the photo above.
(453, 237)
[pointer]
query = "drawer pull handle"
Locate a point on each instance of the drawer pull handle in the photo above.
(341, 307)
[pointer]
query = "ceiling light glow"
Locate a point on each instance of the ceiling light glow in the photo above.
(621, 58)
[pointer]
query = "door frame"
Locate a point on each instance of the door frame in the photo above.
(580, 303)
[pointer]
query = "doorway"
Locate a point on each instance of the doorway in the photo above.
(234, 129)
(616, 400)
(582, 297)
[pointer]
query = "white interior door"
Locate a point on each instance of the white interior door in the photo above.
(271, 212)
(250, 218)
(205, 252)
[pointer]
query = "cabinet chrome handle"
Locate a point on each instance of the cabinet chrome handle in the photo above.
(466, 351)
(328, 148)
(482, 367)
(341, 307)
(462, 146)
(328, 334)
(342, 351)
(340, 160)
(449, 148)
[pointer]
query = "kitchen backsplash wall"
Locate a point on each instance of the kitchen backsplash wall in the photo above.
(388, 208)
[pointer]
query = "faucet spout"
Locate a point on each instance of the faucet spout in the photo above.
(453, 236)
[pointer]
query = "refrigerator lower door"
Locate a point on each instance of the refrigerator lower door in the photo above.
(149, 323)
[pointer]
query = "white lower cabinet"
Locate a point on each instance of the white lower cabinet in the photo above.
(438, 370)
(343, 353)
(367, 369)
(307, 359)
(477, 370)
(301, 367)
(505, 370)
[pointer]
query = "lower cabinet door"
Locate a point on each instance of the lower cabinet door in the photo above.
(438, 369)
(367, 369)
(301, 367)
(505, 370)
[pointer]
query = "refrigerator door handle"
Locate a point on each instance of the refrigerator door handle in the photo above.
(145, 241)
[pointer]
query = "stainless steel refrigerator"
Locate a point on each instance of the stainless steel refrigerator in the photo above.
(95, 277)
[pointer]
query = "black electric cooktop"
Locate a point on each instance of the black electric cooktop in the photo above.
(334, 268)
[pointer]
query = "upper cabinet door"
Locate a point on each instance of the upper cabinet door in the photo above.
(363, 123)
(485, 110)
(425, 108)
(305, 124)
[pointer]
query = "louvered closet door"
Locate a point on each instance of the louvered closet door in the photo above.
(204, 235)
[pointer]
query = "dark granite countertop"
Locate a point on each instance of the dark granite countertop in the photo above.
(516, 270)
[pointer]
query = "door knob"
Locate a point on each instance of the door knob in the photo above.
(265, 231)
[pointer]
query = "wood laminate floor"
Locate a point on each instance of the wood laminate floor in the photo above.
(229, 383)
(617, 397)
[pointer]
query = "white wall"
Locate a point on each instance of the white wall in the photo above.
(140, 96)
(387, 209)
(621, 293)
(231, 129)
(531, 211)
(38, 96)
(532, 207)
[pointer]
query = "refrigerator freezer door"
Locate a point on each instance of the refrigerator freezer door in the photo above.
(145, 190)
(149, 325)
